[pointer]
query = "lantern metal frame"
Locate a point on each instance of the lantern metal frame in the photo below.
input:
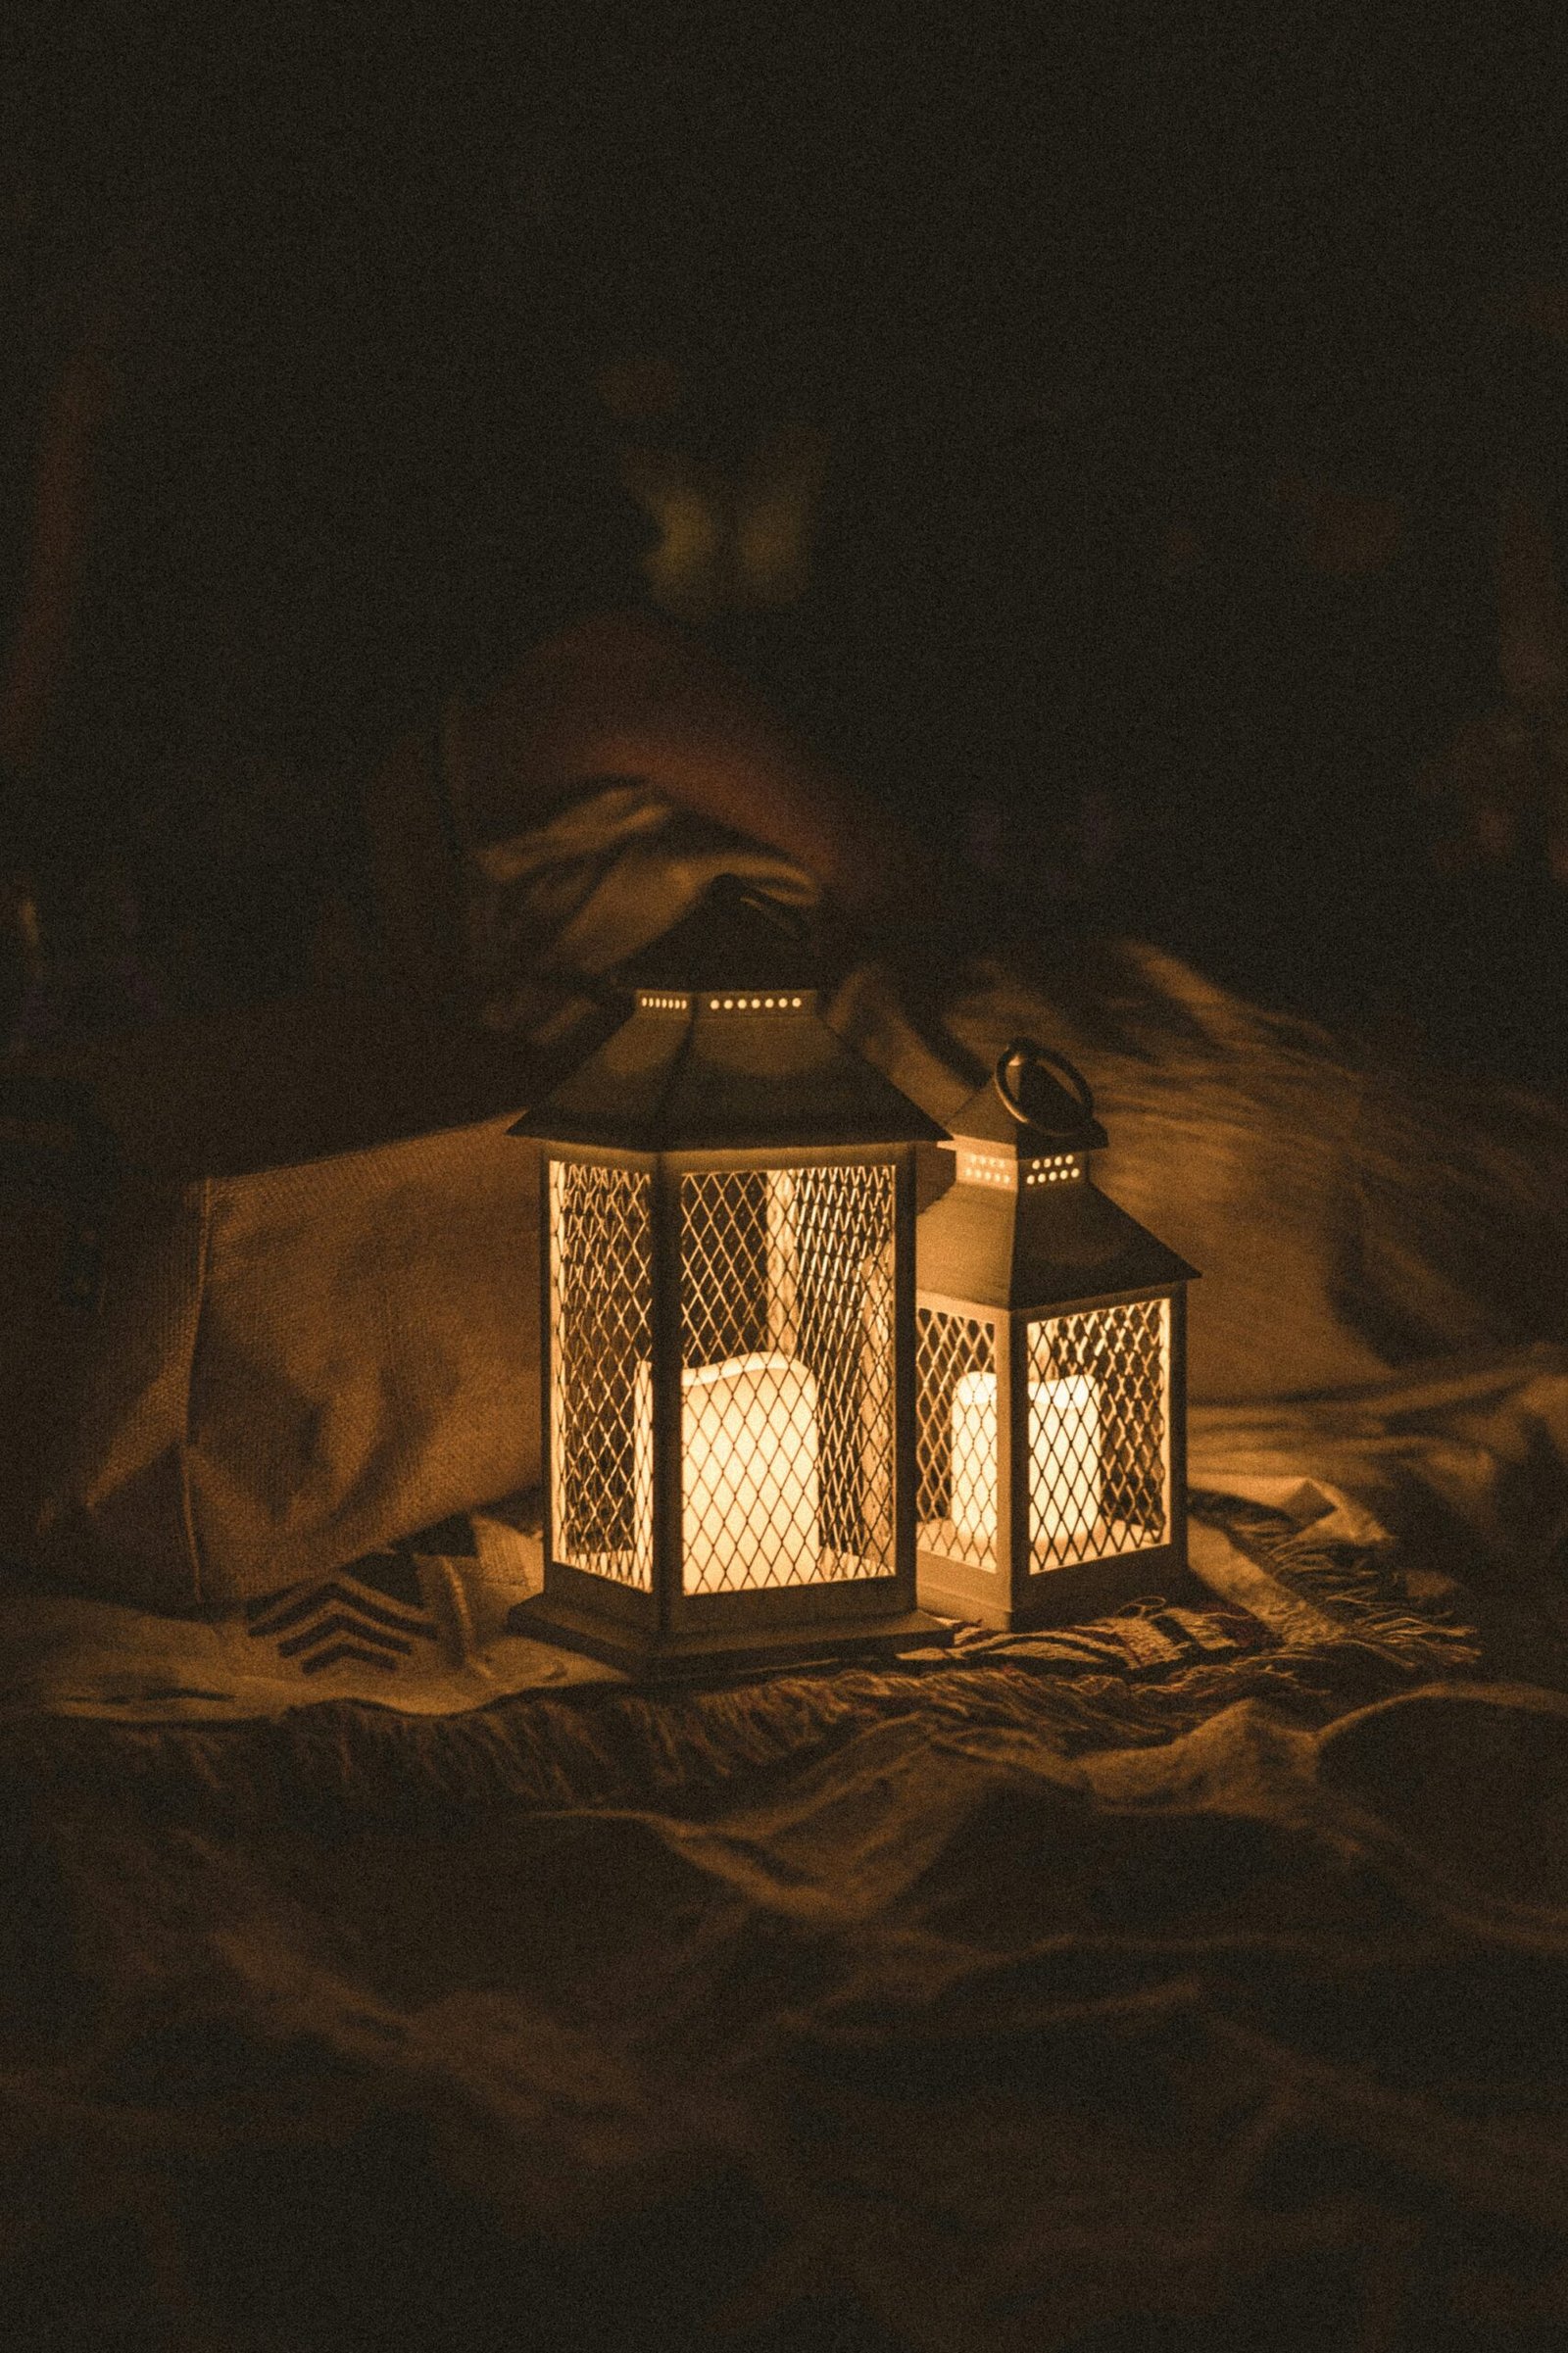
(704, 1079)
(1021, 1241)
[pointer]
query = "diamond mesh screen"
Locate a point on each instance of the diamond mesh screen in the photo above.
(786, 1376)
(957, 1436)
(599, 1349)
(1098, 1432)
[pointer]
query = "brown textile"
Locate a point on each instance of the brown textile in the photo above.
(888, 2010)
(320, 1315)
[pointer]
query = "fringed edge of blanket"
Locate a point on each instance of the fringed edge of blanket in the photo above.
(1365, 1592)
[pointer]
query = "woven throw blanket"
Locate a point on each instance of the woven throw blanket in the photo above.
(424, 1627)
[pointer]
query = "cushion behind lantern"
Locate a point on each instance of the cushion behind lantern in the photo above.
(306, 1319)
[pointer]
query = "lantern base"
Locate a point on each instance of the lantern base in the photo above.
(1070, 1595)
(655, 1657)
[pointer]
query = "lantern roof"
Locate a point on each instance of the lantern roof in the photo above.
(1040, 1248)
(1024, 1227)
(725, 1049)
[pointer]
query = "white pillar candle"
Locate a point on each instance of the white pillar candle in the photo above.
(749, 1480)
(1064, 1460)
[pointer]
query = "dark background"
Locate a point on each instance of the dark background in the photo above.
(1085, 310)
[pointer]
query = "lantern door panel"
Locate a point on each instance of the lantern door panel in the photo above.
(787, 1396)
(599, 1310)
(960, 1490)
(1098, 1381)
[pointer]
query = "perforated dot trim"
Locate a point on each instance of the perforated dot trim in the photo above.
(755, 1004)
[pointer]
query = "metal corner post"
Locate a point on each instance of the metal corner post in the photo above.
(669, 1361)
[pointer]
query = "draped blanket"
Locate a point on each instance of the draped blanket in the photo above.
(1206, 1966)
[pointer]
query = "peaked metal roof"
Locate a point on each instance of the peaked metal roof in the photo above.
(725, 1071)
(1046, 1234)
(1039, 1249)
(726, 1050)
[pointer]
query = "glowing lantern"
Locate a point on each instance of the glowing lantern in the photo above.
(1050, 1369)
(728, 1352)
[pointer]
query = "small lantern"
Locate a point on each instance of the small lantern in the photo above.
(1050, 1369)
(728, 1359)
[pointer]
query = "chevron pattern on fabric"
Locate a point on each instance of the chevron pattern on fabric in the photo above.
(372, 1616)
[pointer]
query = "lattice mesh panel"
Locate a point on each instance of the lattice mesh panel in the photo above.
(786, 1376)
(1098, 1432)
(957, 1436)
(600, 1348)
